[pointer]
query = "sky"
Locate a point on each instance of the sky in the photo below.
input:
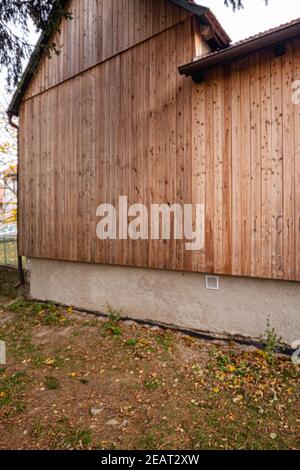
(255, 17)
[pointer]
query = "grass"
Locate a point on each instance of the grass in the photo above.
(165, 341)
(52, 383)
(47, 314)
(152, 384)
(112, 326)
(10, 387)
(72, 438)
(162, 390)
(64, 436)
(132, 342)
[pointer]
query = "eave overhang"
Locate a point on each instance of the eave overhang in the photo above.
(275, 37)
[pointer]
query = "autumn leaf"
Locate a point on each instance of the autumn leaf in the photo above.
(49, 362)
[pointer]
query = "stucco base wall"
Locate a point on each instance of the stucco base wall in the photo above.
(241, 306)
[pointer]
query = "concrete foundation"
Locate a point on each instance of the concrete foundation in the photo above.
(241, 306)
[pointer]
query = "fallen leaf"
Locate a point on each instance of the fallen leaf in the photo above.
(49, 362)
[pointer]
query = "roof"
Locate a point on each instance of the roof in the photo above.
(271, 37)
(220, 39)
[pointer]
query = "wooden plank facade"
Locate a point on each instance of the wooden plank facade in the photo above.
(111, 116)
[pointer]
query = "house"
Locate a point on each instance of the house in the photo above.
(150, 106)
(8, 201)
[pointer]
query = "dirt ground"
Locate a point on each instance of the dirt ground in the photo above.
(74, 381)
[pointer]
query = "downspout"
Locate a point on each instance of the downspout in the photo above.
(20, 262)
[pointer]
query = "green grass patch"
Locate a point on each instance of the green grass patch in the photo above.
(152, 384)
(52, 383)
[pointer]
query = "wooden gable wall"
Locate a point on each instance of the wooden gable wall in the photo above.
(133, 126)
(99, 30)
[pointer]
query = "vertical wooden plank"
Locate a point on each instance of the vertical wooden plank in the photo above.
(297, 161)
(115, 27)
(85, 44)
(288, 164)
(60, 175)
(159, 143)
(218, 100)
(188, 167)
(236, 170)
(256, 168)
(227, 174)
(100, 130)
(245, 181)
(145, 166)
(128, 143)
(209, 180)
(172, 136)
(277, 169)
(99, 33)
(198, 150)
(107, 16)
(107, 151)
(180, 144)
(166, 139)
(152, 132)
(144, 193)
(266, 161)
(77, 46)
(54, 175)
(117, 152)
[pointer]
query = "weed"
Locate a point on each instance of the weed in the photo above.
(19, 305)
(54, 317)
(152, 384)
(223, 362)
(52, 383)
(11, 385)
(65, 436)
(132, 342)
(113, 315)
(164, 340)
(48, 313)
(38, 430)
(82, 437)
(272, 342)
(37, 308)
(112, 326)
(148, 441)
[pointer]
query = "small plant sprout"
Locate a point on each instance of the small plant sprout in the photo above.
(113, 323)
(113, 315)
(272, 342)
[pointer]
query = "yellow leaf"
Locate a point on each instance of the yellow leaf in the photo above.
(49, 362)
(2, 395)
(238, 399)
(216, 390)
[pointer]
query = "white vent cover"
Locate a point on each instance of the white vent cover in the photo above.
(212, 283)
